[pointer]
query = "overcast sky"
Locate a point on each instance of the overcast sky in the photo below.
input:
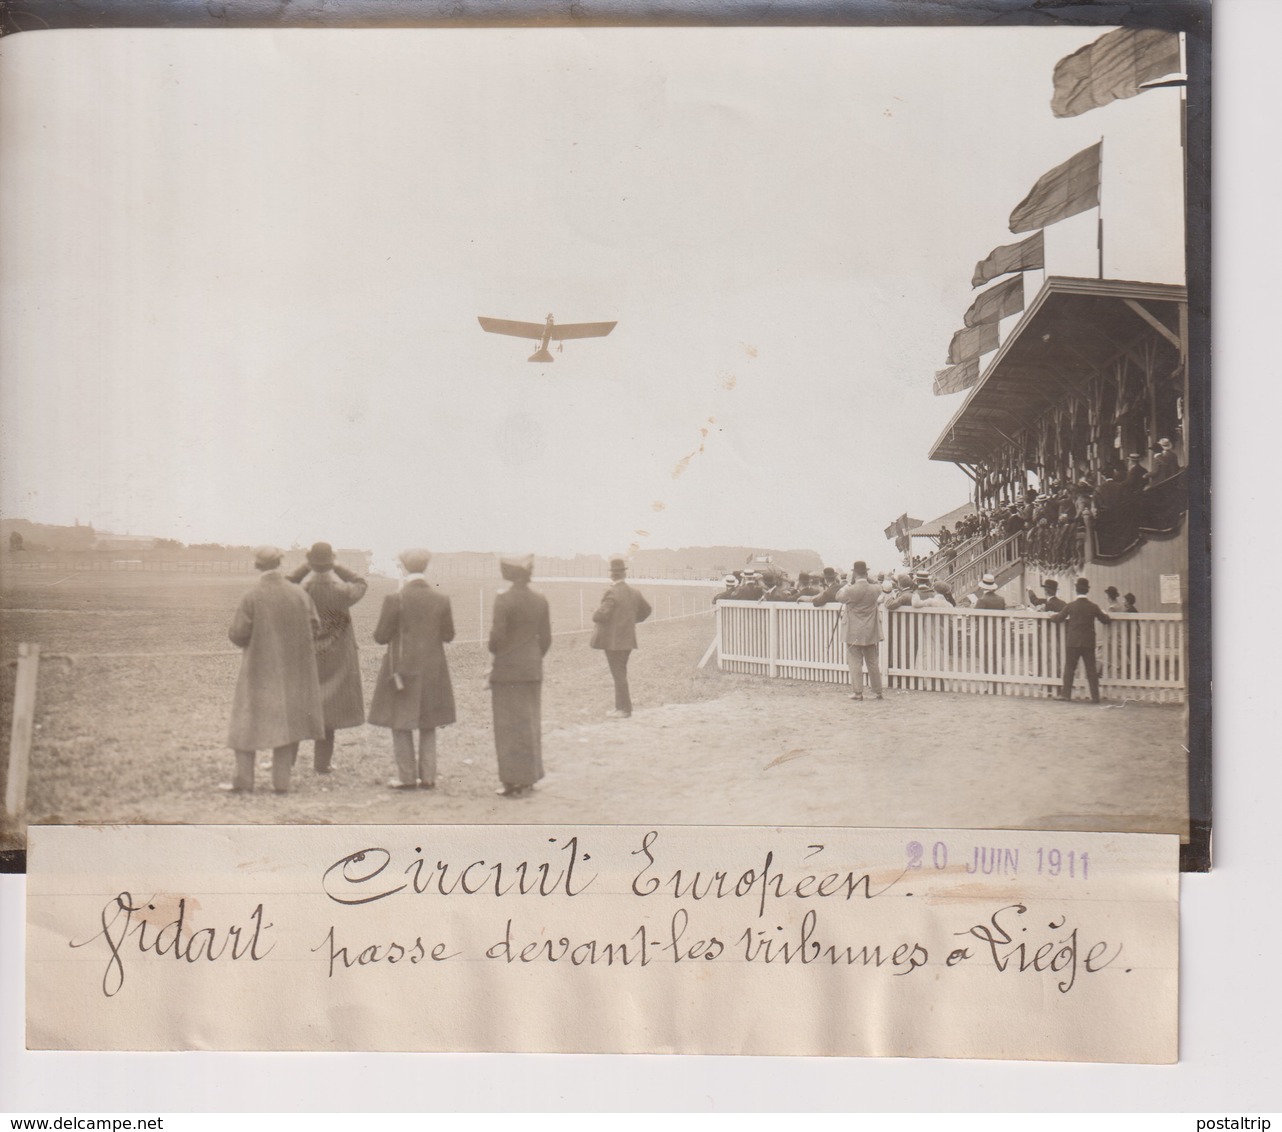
(242, 272)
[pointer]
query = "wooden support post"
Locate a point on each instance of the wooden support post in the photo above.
(24, 718)
(715, 647)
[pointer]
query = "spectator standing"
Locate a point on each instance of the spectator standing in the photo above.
(413, 690)
(989, 598)
(616, 618)
(277, 702)
(1050, 602)
(334, 590)
(1166, 463)
(1079, 639)
(519, 639)
(863, 630)
(730, 582)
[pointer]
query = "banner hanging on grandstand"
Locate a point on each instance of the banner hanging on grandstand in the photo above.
(956, 378)
(1064, 191)
(1115, 66)
(1029, 253)
(972, 342)
(996, 303)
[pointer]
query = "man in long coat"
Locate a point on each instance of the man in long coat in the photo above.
(334, 590)
(413, 690)
(615, 632)
(277, 702)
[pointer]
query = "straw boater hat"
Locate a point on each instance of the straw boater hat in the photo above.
(729, 580)
(1165, 443)
(988, 582)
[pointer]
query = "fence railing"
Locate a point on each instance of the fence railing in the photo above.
(1140, 656)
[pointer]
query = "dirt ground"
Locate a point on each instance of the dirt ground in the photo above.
(128, 739)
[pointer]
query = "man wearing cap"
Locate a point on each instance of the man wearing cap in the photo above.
(278, 701)
(334, 590)
(1079, 639)
(615, 632)
(1166, 463)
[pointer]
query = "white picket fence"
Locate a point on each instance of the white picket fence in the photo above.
(1141, 656)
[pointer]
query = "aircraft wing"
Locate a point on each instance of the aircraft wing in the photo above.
(515, 329)
(582, 330)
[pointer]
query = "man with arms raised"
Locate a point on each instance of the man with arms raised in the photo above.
(863, 629)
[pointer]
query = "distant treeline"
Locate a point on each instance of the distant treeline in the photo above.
(82, 545)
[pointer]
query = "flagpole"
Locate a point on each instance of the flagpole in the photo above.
(1099, 208)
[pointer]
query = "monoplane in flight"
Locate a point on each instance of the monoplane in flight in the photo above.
(545, 332)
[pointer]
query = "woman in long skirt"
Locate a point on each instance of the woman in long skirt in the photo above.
(521, 635)
(413, 689)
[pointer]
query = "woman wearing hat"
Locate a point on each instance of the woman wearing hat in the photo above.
(519, 639)
(413, 689)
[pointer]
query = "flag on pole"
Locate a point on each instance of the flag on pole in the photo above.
(901, 526)
(1115, 66)
(996, 303)
(956, 378)
(971, 342)
(1066, 190)
(1029, 253)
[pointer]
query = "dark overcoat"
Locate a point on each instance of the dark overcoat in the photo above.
(519, 637)
(338, 660)
(416, 624)
(1081, 615)
(277, 700)
(617, 616)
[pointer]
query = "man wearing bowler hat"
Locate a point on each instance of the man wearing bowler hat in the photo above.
(615, 632)
(1079, 639)
(334, 590)
(277, 702)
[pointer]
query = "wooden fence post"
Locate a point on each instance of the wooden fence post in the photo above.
(24, 717)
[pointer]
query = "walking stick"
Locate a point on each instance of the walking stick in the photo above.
(836, 624)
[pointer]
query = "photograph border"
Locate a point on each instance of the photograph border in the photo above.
(1190, 17)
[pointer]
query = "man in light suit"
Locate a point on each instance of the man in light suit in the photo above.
(616, 632)
(862, 600)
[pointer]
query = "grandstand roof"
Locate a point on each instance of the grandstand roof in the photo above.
(931, 529)
(1070, 331)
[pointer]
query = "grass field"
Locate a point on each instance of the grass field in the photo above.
(134, 730)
